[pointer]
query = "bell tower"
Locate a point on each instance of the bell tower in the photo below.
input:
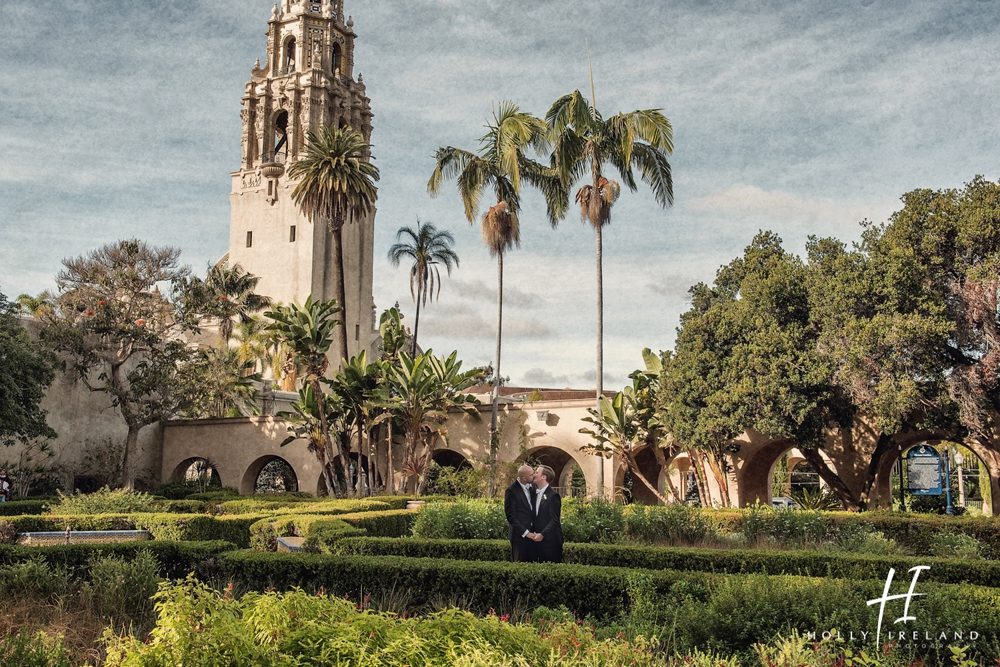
(307, 81)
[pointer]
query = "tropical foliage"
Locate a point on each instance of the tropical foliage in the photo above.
(497, 169)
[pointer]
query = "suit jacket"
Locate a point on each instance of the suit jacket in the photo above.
(520, 513)
(548, 522)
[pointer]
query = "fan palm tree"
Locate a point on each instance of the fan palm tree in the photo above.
(429, 248)
(584, 141)
(336, 185)
(499, 166)
(230, 296)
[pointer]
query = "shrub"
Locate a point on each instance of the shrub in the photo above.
(672, 524)
(594, 521)
(948, 544)
(225, 493)
(34, 578)
(321, 528)
(8, 532)
(16, 507)
(105, 501)
(262, 505)
(717, 612)
(469, 519)
(119, 591)
(182, 506)
(176, 559)
(37, 649)
(196, 623)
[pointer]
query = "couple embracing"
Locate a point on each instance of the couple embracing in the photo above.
(533, 510)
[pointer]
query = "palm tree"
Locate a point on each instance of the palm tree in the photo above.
(499, 165)
(308, 331)
(583, 143)
(231, 296)
(428, 248)
(336, 185)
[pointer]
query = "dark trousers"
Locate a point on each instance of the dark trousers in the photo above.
(523, 550)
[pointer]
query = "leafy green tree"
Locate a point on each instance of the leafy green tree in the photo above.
(260, 346)
(429, 248)
(498, 168)
(121, 335)
(336, 184)
(25, 375)
(584, 142)
(308, 331)
(355, 385)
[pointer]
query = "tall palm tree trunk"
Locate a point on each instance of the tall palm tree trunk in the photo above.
(599, 375)
(390, 473)
(331, 480)
(338, 253)
(416, 323)
(495, 398)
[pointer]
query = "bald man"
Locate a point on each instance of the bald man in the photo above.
(519, 506)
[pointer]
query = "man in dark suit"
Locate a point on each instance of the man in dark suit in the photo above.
(547, 528)
(518, 505)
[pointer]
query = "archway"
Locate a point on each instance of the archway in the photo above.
(335, 57)
(269, 474)
(980, 476)
(449, 458)
(631, 489)
(791, 476)
(197, 471)
(559, 460)
(289, 55)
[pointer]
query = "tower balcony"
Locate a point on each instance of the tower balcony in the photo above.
(272, 165)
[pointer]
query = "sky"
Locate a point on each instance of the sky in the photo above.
(121, 119)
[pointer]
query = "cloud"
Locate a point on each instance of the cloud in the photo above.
(479, 291)
(539, 377)
(749, 201)
(464, 321)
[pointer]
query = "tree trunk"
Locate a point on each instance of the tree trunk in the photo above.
(665, 467)
(832, 479)
(721, 478)
(345, 465)
(599, 369)
(416, 324)
(331, 483)
(338, 253)
(389, 469)
(704, 494)
(495, 398)
(372, 463)
(128, 472)
(633, 465)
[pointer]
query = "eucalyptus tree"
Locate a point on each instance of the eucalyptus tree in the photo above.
(336, 184)
(429, 248)
(496, 170)
(308, 332)
(583, 143)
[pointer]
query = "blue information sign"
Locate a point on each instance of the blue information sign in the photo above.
(923, 471)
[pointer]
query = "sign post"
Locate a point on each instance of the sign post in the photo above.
(923, 467)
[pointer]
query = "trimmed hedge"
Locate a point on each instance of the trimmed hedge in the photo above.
(18, 507)
(728, 612)
(165, 526)
(176, 559)
(728, 561)
(300, 506)
(317, 528)
(390, 523)
(912, 532)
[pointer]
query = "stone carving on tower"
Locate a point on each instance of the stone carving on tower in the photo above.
(306, 81)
